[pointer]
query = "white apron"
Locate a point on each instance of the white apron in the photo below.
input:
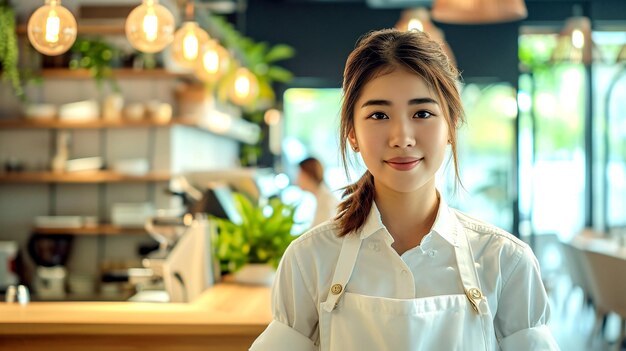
(350, 321)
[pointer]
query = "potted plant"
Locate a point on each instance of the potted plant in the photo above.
(252, 249)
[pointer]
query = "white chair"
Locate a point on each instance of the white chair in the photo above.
(607, 275)
(573, 259)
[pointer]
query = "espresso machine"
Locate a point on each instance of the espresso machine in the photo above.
(50, 254)
(182, 268)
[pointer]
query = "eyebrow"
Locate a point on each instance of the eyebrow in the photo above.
(417, 101)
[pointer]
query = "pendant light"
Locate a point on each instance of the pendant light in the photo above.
(213, 62)
(52, 28)
(150, 27)
(188, 40)
(574, 44)
(245, 87)
(419, 19)
(478, 11)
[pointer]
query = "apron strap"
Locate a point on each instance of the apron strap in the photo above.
(343, 270)
(467, 269)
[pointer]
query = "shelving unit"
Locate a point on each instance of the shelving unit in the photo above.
(66, 73)
(102, 229)
(179, 146)
(85, 177)
(238, 129)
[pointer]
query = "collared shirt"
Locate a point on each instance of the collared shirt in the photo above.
(507, 269)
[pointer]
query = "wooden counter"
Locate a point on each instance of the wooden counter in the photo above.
(225, 317)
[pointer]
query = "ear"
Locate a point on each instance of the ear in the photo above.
(352, 140)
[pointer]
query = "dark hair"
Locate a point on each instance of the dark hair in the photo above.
(380, 51)
(313, 168)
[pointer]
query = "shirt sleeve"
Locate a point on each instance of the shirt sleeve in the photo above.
(523, 309)
(292, 298)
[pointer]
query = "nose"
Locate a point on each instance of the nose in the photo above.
(401, 134)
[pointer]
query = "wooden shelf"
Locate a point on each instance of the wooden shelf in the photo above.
(102, 229)
(19, 123)
(83, 28)
(81, 177)
(66, 73)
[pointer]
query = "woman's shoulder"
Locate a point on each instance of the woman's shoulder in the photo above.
(489, 233)
(321, 237)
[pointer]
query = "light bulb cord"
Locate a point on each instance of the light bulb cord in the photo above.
(189, 11)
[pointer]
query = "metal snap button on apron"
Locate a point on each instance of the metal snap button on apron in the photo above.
(336, 289)
(473, 295)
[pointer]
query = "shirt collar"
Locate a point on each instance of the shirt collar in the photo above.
(443, 226)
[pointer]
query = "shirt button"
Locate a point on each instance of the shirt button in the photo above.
(405, 272)
(432, 253)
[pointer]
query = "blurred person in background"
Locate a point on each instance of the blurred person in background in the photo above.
(311, 179)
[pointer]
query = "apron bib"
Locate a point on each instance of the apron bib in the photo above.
(449, 322)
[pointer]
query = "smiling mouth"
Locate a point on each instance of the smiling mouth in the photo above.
(404, 163)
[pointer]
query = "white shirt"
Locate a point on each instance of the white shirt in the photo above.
(507, 269)
(326, 207)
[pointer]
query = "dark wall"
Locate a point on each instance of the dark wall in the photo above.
(323, 33)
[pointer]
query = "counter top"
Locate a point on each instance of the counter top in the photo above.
(225, 310)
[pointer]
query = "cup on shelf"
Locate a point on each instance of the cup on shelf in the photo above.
(112, 107)
(159, 112)
(40, 111)
(134, 112)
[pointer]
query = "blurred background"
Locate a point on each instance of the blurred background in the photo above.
(102, 129)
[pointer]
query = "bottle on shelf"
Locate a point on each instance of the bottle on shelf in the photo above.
(59, 160)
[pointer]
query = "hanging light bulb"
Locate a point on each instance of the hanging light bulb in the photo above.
(419, 19)
(415, 24)
(52, 28)
(574, 44)
(188, 40)
(150, 27)
(213, 62)
(187, 43)
(245, 88)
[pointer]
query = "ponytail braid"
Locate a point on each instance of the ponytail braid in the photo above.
(356, 206)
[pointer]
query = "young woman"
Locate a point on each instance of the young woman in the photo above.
(311, 179)
(397, 269)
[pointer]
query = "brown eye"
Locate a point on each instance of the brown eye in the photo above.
(378, 115)
(423, 114)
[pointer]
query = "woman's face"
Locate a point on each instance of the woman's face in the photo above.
(400, 131)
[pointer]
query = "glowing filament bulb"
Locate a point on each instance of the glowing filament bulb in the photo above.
(578, 39)
(150, 25)
(242, 86)
(190, 46)
(415, 24)
(245, 87)
(211, 61)
(53, 24)
(52, 28)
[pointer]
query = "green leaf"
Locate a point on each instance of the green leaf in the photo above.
(279, 74)
(279, 52)
(259, 238)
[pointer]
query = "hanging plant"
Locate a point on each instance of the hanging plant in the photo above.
(95, 55)
(9, 54)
